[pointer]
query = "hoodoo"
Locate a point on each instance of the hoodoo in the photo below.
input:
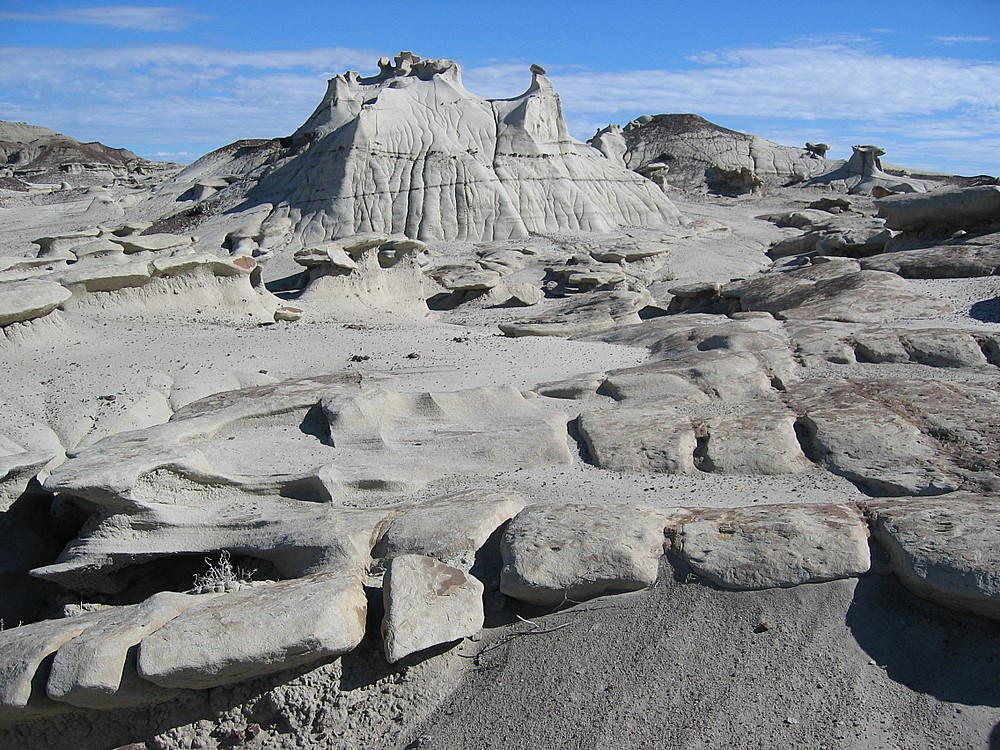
(412, 151)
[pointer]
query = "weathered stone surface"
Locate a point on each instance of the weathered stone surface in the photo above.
(274, 490)
(554, 554)
(59, 246)
(945, 208)
(23, 269)
(333, 291)
(582, 314)
(655, 382)
(854, 242)
(817, 342)
(836, 291)
(401, 440)
(135, 243)
(212, 264)
(87, 277)
(758, 439)
(29, 299)
(100, 248)
(427, 603)
(943, 348)
(257, 631)
(398, 247)
(97, 668)
(328, 254)
(581, 386)
(776, 545)
(863, 174)
(879, 347)
(24, 668)
(646, 438)
(110, 473)
(959, 417)
(697, 290)
(806, 219)
(704, 376)
(940, 262)
(934, 347)
(703, 155)
(451, 528)
(796, 245)
(467, 279)
(588, 277)
(944, 549)
(610, 142)
(857, 436)
(525, 294)
(288, 313)
(411, 151)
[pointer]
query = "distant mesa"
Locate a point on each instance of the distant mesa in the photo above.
(411, 151)
(688, 153)
(36, 158)
(691, 153)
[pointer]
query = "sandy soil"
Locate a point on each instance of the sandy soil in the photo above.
(847, 664)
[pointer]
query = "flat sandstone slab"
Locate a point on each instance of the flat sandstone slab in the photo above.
(427, 603)
(30, 299)
(97, 668)
(572, 552)
(772, 546)
(945, 549)
(257, 631)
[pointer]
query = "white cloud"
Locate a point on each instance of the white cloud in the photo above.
(962, 39)
(131, 17)
(843, 94)
(792, 82)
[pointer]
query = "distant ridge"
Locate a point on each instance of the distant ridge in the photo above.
(700, 155)
(36, 154)
(412, 151)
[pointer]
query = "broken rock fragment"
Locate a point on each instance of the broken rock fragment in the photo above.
(944, 549)
(29, 299)
(257, 631)
(776, 545)
(427, 603)
(555, 554)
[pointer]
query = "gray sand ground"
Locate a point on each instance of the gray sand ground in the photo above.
(849, 664)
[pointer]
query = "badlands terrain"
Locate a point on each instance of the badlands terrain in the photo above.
(429, 426)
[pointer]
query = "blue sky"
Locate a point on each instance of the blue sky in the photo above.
(174, 80)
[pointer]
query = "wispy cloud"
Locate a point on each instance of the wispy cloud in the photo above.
(123, 17)
(962, 39)
(940, 110)
(796, 83)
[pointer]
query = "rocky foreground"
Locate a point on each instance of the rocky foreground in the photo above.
(709, 460)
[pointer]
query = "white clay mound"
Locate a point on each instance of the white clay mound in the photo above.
(412, 151)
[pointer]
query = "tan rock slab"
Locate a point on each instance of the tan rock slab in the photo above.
(427, 603)
(771, 546)
(757, 440)
(552, 554)
(29, 299)
(646, 438)
(23, 665)
(450, 529)
(854, 434)
(944, 549)
(136, 243)
(97, 669)
(257, 631)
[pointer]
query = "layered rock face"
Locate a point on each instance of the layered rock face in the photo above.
(693, 153)
(411, 151)
(32, 154)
